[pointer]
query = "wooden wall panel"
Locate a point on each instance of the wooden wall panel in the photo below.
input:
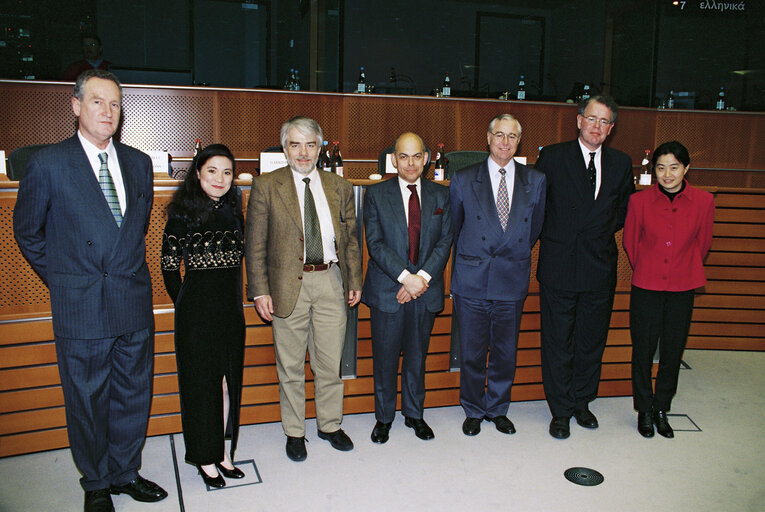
(170, 119)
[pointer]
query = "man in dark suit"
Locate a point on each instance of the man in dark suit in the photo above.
(81, 217)
(409, 234)
(588, 187)
(304, 271)
(497, 210)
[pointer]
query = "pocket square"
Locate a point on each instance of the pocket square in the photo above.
(438, 211)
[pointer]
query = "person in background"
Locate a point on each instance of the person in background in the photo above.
(408, 228)
(588, 187)
(80, 219)
(304, 271)
(205, 230)
(93, 59)
(667, 234)
(497, 209)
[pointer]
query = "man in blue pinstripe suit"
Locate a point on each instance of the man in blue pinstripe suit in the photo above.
(80, 219)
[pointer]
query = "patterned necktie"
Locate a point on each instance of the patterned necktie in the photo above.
(503, 202)
(591, 171)
(314, 252)
(415, 216)
(107, 187)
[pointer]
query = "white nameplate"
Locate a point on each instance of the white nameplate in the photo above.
(272, 161)
(159, 161)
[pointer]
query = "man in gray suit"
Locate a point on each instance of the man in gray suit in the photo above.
(81, 217)
(409, 233)
(304, 271)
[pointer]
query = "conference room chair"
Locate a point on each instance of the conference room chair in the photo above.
(17, 160)
(461, 159)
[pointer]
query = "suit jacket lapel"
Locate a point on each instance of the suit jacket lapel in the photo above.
(396, 205)
(579, 173)
(484, 196)
(83, 176)
(288, 194)
(427, 207)
(605, 174)
(333, 201)
(520, 200)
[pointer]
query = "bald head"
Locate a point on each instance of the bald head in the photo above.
(409, 156)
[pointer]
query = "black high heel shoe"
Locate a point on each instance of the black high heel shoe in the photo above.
(212, 481)
(230, 473)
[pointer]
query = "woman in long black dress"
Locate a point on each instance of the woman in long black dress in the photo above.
(205, 231)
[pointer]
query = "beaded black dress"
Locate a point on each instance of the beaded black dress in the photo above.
(209, 326)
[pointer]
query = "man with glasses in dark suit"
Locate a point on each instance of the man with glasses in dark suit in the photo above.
(588, 187)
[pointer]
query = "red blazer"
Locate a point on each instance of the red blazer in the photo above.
(666, 242)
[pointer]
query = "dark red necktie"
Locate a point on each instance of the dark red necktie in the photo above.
(414, 224)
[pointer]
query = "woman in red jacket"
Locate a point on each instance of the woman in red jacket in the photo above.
(667, 234)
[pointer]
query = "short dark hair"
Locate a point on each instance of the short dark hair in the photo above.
(79, 85)
(672, 148)
(91, 36)
(603, 99)
(190, 203)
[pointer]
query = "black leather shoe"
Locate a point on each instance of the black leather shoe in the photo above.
(585, 418)
(662, 424)
(645, 424)
(296, 448)
(212, 481)
(141, 489)
(471, 426)
(559, 428)
(338, 439)
(503, 424)
(98, 501)
(230, 473)
(421, 429)
(380, 432)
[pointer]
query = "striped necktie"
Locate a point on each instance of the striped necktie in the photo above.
(107, 187)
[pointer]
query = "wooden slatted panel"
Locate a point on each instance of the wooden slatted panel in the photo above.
(729, 312)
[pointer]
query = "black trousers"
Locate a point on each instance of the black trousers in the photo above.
(574, 333)
(406, 333)
(663, 319)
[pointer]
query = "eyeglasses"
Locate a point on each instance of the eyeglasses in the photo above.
(595, 120)
(500, 136)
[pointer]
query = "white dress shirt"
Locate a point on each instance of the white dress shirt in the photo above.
(322, 211)
(405, 193)
(496, 177)
(586, 155)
